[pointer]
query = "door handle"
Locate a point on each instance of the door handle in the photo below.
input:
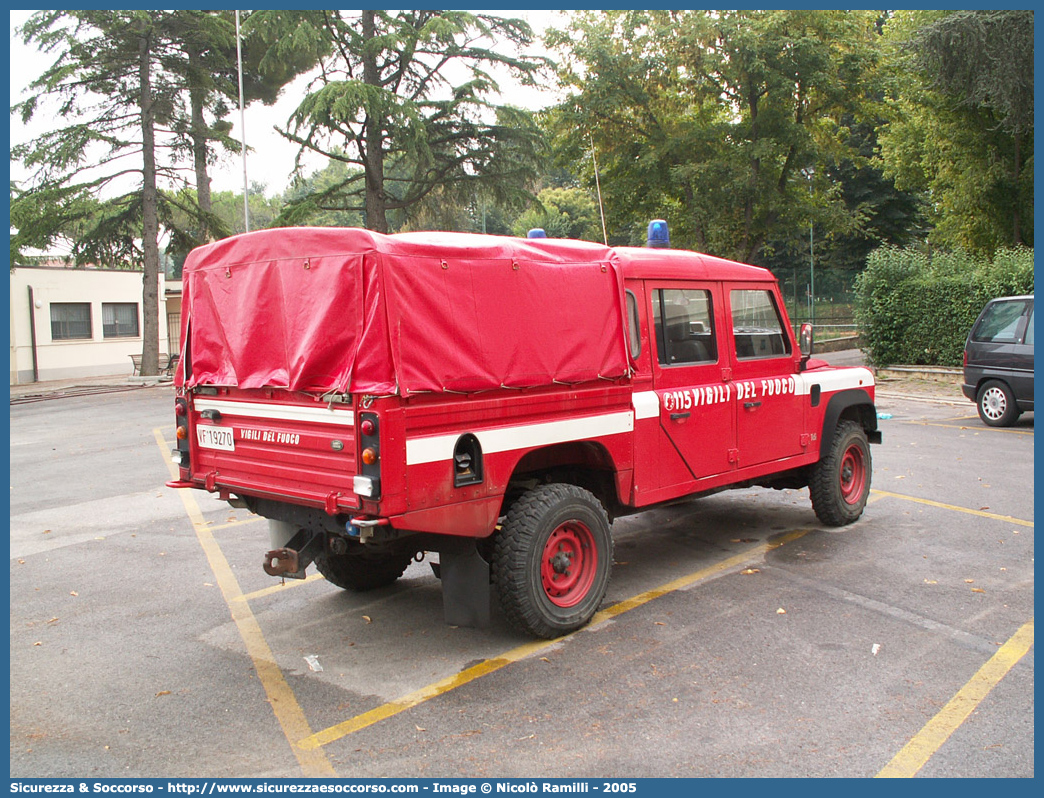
(680, 416)
(751, 405)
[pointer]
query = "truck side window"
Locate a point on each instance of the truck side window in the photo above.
(684, 326)
(634, 335)
(756, 327)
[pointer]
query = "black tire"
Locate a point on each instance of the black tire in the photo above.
(364, 570)
(840, 481)
(551, 560)
(996, 404)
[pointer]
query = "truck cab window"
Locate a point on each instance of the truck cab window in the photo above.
(756, 327)
(684, 327)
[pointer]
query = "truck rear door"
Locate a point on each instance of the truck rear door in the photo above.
(271, 443)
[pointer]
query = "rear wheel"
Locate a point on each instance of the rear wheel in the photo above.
(996, 404)
(840, 483)
(551, 560)
(364, 570)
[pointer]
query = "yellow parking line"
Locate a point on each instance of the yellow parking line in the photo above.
(308, 745)
(981, 513)
(937, 731)
(954, 424)
(276, 588)
(280, 696)
(444, 686)
(343, 729)
(231, 524)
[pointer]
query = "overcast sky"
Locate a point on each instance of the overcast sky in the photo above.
(271, 157)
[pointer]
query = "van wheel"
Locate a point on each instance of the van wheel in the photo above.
(551, 560)
(362, 571)
(840, 483)
(996, 404)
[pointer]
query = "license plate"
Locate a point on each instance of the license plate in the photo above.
(216, 438)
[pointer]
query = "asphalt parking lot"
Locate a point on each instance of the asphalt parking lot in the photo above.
(738, 639)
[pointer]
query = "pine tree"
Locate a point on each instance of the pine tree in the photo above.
(386, 104)
(98, 174)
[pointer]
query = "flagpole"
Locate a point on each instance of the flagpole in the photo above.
(242, 124)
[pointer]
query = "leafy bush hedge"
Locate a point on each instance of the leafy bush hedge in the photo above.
(915, 308)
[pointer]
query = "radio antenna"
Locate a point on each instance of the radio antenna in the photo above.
(598, 187)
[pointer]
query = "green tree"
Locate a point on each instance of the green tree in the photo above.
(707, 118)
(562, 213)
(129, 85)
(887, 216)
(313, 200)
(961, 122)
(386, 104)
(96, 178)
(277, 46)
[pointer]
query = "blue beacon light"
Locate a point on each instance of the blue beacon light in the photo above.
(658, 236)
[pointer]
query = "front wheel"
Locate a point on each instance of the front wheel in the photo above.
(840, 483)
(996, 404)
(551, 560)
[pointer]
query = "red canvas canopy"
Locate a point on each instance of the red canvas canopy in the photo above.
(327, 309)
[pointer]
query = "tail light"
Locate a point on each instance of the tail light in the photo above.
(180, 455)
(368, 481)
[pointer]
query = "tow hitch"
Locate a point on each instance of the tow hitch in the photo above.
(280, 562)
(292, 558)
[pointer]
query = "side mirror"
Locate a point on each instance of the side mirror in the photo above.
(805, 343)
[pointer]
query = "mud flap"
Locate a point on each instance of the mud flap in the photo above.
(465, 584)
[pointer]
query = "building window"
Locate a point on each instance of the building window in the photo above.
(119, 320)
(70, 321)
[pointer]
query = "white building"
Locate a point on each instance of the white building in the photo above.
(68, 323)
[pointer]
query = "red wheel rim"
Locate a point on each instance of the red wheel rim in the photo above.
(568, 565)
(853, 475)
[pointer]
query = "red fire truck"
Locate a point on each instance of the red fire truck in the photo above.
(498, 401)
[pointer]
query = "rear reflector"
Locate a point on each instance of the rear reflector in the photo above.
(365, 486)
